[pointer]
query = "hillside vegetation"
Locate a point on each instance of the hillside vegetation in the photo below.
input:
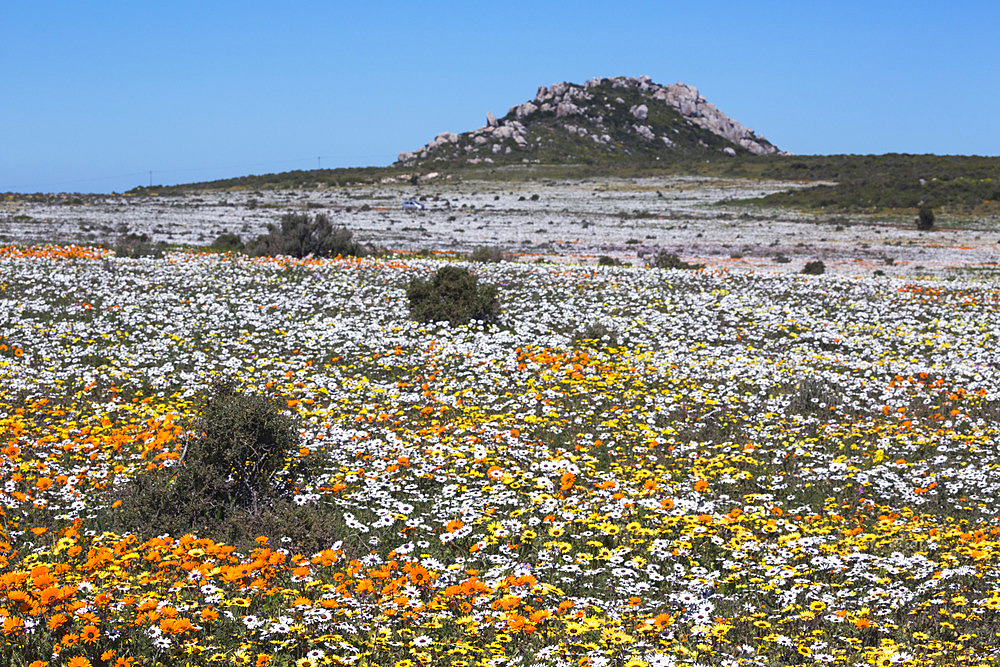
(874, 183)
(845, 183)
(633, 127)
(620, 118)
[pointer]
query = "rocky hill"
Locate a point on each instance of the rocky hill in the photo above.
(604, 119)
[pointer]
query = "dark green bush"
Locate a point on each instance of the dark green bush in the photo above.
(301, 236)
(488, 255)
(227, 242)
(234, 481)
(453, 295)
(137, 245)
(669, 260)
(604, 260)
(242, 444)
(815, 268)
(925, 218)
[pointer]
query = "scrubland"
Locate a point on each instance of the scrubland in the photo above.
(634, 467)
(702, 219)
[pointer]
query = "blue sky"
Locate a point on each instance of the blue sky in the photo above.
(97, 94)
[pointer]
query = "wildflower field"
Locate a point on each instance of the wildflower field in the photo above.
(635, 467)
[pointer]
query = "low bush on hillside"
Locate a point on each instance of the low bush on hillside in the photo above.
(300, 235)
(453, 295)
(925, 218)
(604, 260)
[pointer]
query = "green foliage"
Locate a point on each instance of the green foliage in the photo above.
(453, 295)
(669, 260)
(872, 183)
(619, 145)
(925, 217)
(302, 236)
(488, 255)
(242, 444)
(815, 268)
(234, 479)
(852, 183)
(137, 245)
(227, 242)
(288, 180)
(604, 260)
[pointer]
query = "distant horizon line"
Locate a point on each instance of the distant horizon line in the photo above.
(35, 190)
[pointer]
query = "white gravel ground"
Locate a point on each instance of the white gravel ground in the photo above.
(563, 221)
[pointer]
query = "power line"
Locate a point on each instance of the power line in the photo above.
(37, 188)
(178, 170)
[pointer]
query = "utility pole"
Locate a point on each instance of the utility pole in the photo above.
(150, 178)
(319, 163)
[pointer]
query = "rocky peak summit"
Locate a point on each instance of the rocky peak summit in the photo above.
(605, 117)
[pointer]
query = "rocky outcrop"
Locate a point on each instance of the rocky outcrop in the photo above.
(566, 109)
(686, 100)
(523, 110)
(644, 131)
(694, 107)
(623, 114)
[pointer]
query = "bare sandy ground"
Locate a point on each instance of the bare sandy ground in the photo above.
(562, 221)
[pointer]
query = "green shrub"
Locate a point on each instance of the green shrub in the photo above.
(227, 242)
(234, 480)
(669, 260)
(301, 236)
(604, 260)
(488, 255)
(453, 295)
(242, 444)
(815, 268)
(137, 245)
(925, 218)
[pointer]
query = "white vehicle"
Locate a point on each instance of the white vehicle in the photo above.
(413, 205)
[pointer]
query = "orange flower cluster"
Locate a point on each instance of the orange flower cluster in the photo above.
(54, 252)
